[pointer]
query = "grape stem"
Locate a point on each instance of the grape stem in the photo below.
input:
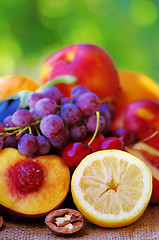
(17, 130)
(151, 136)
(96, 130)
(146, 139)
(37, 130)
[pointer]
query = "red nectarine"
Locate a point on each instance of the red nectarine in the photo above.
(140, 117)
(92, 66)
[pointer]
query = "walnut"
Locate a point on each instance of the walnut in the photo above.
(64, 221)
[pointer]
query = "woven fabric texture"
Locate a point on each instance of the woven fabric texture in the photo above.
(146, 228)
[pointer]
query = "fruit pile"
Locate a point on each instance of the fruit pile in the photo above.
(90, 128)
(53, 123)
(53, 119)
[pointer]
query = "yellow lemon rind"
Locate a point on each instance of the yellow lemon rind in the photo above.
(108, 220)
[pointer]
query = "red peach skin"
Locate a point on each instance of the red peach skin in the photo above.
(92, 66)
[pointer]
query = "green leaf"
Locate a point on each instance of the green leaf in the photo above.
(23, 96)
(68, 79)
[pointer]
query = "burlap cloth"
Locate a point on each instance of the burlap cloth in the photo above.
(147, 227)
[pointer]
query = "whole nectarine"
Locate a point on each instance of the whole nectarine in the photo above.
(136, 86)
(92, 66)
(14, 83)
(142, 118)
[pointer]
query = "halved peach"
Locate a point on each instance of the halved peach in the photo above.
(32, 186)
(150, 156)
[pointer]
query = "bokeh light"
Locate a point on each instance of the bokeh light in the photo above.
(87, 31)
(14, 4)
(9, 52)
(143, 12)
(4, 26)
(52, 9)
(102, 7)
(30, 31)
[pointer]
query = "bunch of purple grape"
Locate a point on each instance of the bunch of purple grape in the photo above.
(52, 120)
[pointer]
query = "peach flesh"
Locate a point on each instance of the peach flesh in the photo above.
(52, 190)
(26, 176)
(150, 156)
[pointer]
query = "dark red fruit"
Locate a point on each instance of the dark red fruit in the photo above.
(111, 143)
(95, 143)
(128, 137)
(1, 127)
(73, 153)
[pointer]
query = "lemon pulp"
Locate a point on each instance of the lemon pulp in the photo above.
(111, 188)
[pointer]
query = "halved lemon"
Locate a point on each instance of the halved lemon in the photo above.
(111, 188)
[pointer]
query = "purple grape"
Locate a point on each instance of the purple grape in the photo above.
(78, 132)
(34, 97)
(70, 113)
(7, 122)
(88, 103)
(61, 140)
(45, 106)
(92, 122)
(53, 93)
(1, 127)
(79, 88)
(28, 144)
(10, 141)
(104, 111)
(78, 91)
(51, 125)
(35, 114)
(65, 100)
(22, 118)
(44, 145)
(111, 110)
(1, 142)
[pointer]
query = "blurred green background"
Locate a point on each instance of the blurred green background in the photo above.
(31, 30)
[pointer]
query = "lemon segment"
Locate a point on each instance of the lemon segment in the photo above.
(112, 188)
